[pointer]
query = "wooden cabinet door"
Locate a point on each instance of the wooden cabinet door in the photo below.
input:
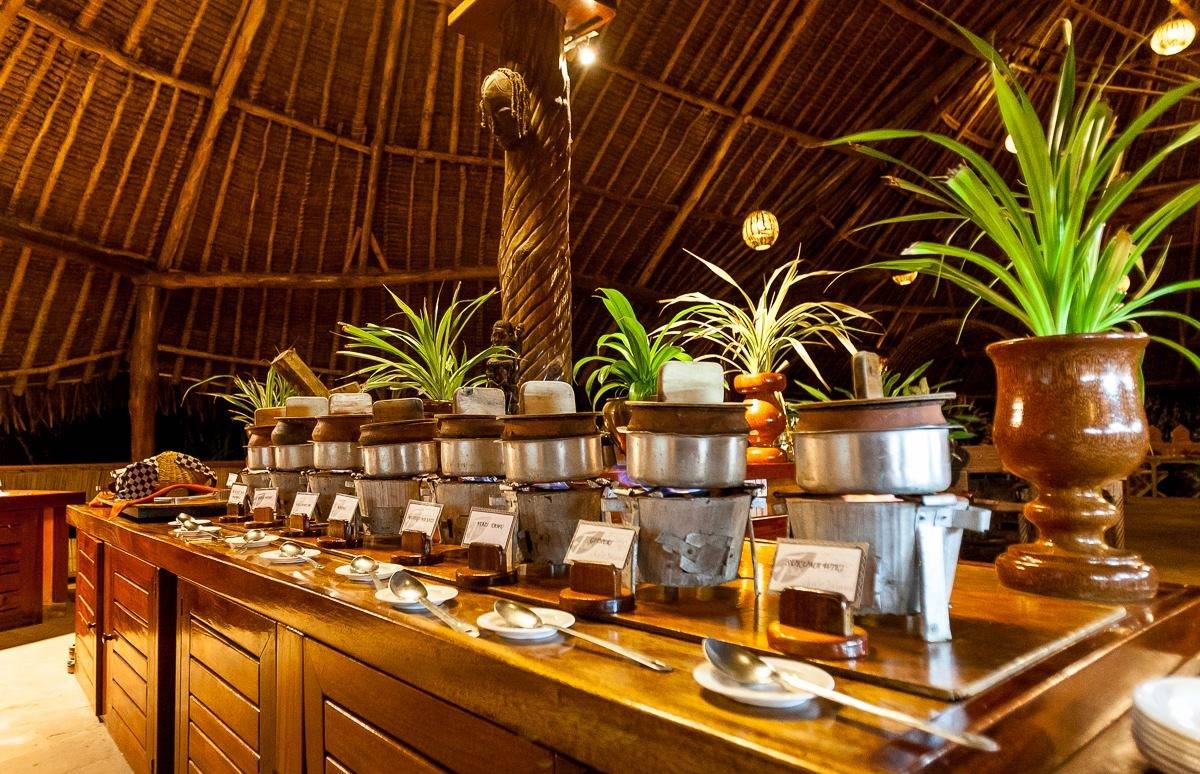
(89, 622)
(136, 598)
(357, 719)
(225, 713)
(20, 568)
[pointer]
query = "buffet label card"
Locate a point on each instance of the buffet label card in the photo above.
(490, 527)
(343, 509)
(237, 494)
(599, 543)
(231, 479)
(264, 498)
(422, 517)
(821, 566)
(305, 504)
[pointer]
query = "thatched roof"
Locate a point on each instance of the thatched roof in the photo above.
(232, 150)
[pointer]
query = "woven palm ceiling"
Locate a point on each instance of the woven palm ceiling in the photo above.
(243, 145)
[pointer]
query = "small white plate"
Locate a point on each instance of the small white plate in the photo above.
(492, 622)
(383, 572)
(769, 696)
(198, 521)
(181, 532)
(1172, 703)
(240, 541)
(277, 558)
(438, 595)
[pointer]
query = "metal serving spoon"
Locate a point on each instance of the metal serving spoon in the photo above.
(409, 589)
(364, 565)
(521, 617)
(251, 536)
(297, 551)
(743, 666)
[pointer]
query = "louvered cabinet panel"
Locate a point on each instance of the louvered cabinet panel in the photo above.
(225, 718)
(88, 620)
(20, 568)
(361, 720)
(136, 597)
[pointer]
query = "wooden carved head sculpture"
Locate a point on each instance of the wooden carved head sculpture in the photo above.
(504, 105)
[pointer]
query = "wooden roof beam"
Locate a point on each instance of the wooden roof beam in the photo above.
(189, 194)
(391, 54)
(781, 54)
(181, 279)
(72, 247)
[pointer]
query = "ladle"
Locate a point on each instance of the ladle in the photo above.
(408, 589)
(521, 617)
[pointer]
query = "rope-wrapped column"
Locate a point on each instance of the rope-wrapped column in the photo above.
(535, 258)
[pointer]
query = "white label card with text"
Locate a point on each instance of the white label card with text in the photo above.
(305, 504)
(836, 567)
(489, 527)
(422, 517)
(343, 509)
(599, 543)
(237, 494)
(264, 498)
(231, 479)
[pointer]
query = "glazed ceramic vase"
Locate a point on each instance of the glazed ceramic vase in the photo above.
(1070, 419)
(764, 413)
(616, 417)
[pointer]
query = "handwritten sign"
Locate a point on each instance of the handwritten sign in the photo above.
(264, 498)
(422, 517)
(491, 527)
(237, 494)
(231, 479)
(344, 508)
(836, 567)
(305, 504)
(599, 543)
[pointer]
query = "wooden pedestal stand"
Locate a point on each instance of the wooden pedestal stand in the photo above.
(302, 527)
(816, 624)
(486, 566)
(526, 103)
(417, 549)
(595, 590)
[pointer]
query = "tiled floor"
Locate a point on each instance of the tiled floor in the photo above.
(46, 723)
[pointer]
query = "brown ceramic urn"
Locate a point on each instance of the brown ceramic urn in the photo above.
(1070, 419)
(764, 413)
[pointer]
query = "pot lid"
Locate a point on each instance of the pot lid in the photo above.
(688, 418)
(534, 426)
(403, 431)
(468, 426)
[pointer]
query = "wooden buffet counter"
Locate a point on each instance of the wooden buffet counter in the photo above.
(199, 659)
(33, 553)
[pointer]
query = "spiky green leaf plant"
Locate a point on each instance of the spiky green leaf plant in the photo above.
(757, 337)
(425, 356)
(248, 393)
(629, 358)
(1062, 261)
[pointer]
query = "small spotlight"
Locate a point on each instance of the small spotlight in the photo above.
(1171, 37)
(587, 55)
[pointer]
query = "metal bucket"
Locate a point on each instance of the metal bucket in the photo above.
(458, 498)
(910, 460)
(288, 482)
(396, 460)
(337, 455)
(893, 531)
(327, 486)
(382, 502)
(689, 541)
(547, 519)
(258, 457)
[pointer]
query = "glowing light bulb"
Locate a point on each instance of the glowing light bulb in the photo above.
(1173, 36)
(907, 278)
(1009, 144)
(587, 55)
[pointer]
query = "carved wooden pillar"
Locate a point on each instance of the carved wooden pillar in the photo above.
(535, 256)
(143, 371)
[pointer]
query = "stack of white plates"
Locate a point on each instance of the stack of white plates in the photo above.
(1166, 723)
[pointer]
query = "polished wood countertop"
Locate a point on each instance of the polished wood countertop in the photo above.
(611, 714)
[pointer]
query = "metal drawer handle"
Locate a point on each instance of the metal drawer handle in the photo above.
(108, 636)
(91, 625)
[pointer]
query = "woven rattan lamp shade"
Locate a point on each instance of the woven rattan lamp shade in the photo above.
(1172, 37)
(760, 230)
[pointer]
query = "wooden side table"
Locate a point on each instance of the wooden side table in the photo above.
(33, 553)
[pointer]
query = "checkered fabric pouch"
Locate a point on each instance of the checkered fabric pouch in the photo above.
(137, 480)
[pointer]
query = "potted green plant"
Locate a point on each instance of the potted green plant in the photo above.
(627, 362)
(1069, 409)
(756, 339)
(247, 394)
(425, 357)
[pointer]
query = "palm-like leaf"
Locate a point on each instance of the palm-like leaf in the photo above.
(424, 357)
(1062, 261)
(756, 338)
(247, 393)
(627, 361)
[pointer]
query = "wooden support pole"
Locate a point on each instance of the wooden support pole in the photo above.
(391, 54)
(143, 371)
(535, 256)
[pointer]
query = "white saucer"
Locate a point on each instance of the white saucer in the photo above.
(181, 532)
(198, 521)
(492, 622)
(1172, 704)
(240, 541)
(383, 572)
(438, 595)
(277, 558)
(769, 696)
